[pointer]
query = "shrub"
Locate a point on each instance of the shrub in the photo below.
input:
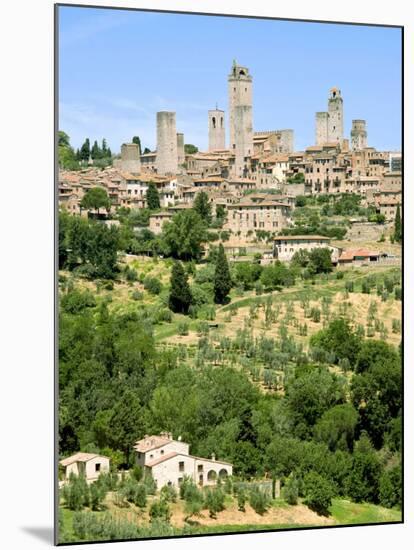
(130, 274)
(340, 274)
(137, 472)
(318, 493)
(315, 314)
(397, 293)
(182, 328)
(169, 493)
(241, 500)
(140, 495)
(152, 285)
(259, 500)
(396, 326)
(108, 285)
(150, 483)
(137, 295)
(74, 302)
(214, 501)
(349, 286)
(160, 510)
(290, 491)
(97, 495)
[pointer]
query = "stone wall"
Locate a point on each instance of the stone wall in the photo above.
(180, 149)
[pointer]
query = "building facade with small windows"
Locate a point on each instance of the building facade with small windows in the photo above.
(88, 465)
(285, 246)
(169, 461)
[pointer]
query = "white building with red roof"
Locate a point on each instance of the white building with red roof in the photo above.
(169, 461)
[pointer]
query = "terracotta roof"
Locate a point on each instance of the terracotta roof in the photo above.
(151, 442)
(350, 254)
(301, 238)
(78, 457)
(162, 459)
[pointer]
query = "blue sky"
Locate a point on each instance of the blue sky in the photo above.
(118, 68)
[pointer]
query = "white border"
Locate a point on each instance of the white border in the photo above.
(26, 180)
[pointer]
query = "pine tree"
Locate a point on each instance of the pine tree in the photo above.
(153, 198)
(180, 294)
(222, 278)
(397, 226)
(203, 207)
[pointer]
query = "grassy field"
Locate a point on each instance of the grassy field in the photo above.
(279, 516)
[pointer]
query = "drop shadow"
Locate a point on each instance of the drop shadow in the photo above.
(44, 534)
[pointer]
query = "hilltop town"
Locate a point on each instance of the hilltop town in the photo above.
(256, 180)
(243, 303)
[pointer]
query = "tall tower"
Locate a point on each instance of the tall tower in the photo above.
(167, 157)
(180, 149)
(130, 158)
(321, 128)
(335, 120)
(358, 135)
(241, 116)
(216, 130)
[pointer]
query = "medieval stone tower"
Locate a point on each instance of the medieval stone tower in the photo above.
(130, 158)
(167, 157)
(336, 115)
(358, 135)
(180, 149)
(241, 117)
(216, 130)
(329, 125)
(321, 128)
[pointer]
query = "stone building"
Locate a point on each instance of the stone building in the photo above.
(130, 158)
(167, 156)
(321, 128)
(180, 149)
(216, 130)
(329, 125)
(157, 221)
(248, 216)
(358, 135)
(169, 461)
(285, 246)
(336, 116)
(273, 141)
(241, 117)
(88, 465)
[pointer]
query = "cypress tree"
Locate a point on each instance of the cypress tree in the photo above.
(95, 152)
(222, 278)
(137, 140)
(180, 294)
(203, 207)
(397, 226)
(153, 198)
(85, 150)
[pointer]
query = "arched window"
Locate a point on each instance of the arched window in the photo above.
(214, 121)
(212, 475)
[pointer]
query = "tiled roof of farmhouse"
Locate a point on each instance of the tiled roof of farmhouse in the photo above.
(78, 457)
(350, 254)
(151, 442)
(161, 459)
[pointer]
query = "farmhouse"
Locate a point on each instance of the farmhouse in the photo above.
(169, 461)
(285, 246)
(358, 256)
(85, 464)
